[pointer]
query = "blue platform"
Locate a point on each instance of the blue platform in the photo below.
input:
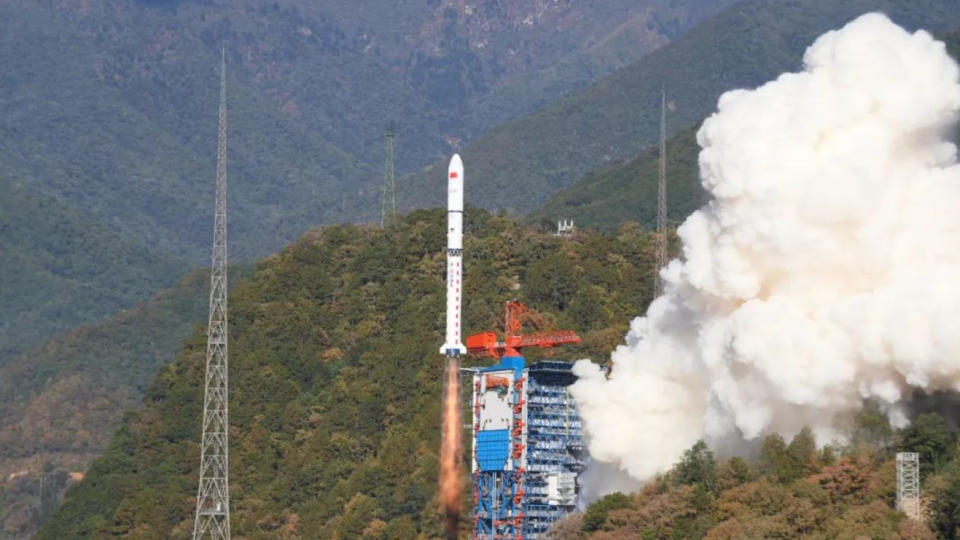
(522, 494)
(493, 447)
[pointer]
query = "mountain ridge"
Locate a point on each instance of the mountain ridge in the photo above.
(109, 109)
(624, 191)
(518, 165)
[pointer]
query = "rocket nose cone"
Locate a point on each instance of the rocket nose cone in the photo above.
(455, 163)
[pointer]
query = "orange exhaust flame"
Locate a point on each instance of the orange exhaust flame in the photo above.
(451, 484)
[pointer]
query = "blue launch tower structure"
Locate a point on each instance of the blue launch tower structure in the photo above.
(528, 449)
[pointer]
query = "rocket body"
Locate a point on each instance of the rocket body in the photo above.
(452, 345)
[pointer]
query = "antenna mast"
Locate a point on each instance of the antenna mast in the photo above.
(661, 199)
(388, 197)
(212, 518)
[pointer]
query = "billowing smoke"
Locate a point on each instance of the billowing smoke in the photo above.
(825, 271)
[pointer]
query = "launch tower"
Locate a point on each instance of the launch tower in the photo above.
(528, 446)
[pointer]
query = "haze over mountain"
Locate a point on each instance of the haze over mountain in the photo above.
(60, 267)
(627, 190)
(111, 105)
(108, 110)
(518, 165)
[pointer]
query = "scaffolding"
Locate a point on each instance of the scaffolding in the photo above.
(908, 484)
(555, 450)
(528, 448)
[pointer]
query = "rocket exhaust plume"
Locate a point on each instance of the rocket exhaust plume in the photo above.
(824, 272)
(451, 485)
(450, 450)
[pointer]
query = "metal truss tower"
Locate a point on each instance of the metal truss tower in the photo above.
(528, 449)
(388, 197)
(212, 518)
(908, 484)
(661, 198)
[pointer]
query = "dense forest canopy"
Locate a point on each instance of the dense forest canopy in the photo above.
(791, 489)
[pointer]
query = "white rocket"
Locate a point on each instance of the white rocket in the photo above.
(453, 346)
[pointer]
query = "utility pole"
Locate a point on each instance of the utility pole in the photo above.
(212, 518)
(388, 196)
(661, 199)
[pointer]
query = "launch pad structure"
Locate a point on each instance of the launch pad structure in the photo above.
(528, 448)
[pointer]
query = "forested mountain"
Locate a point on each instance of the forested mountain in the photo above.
(108, 114)
(791, 490)
(335, 378)
(60, 401)
(518, 165)
(106, 156)
(112, 104)
(60, 267)
(628, 190)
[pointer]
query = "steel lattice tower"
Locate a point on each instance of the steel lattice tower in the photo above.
(661, 199)
(388, 197)
(908, 484)
(212, 519)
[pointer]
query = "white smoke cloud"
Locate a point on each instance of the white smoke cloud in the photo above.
(825, 271)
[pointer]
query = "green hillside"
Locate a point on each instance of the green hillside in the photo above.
(335, 379)
(60, 401)
(792, 490)
(121, 124)
(789, 490)
(61, 268)
(628, 191)
(517, 166)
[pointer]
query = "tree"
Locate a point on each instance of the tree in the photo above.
(552, 282)
(776, 461)
(872, 428)
(358, 515)
(697, 467)
(740, 469)
(596, 514)
(931, 436)
(400, 528)
(828, 455)
(944, 508)
(848, 478)
(803, 450)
